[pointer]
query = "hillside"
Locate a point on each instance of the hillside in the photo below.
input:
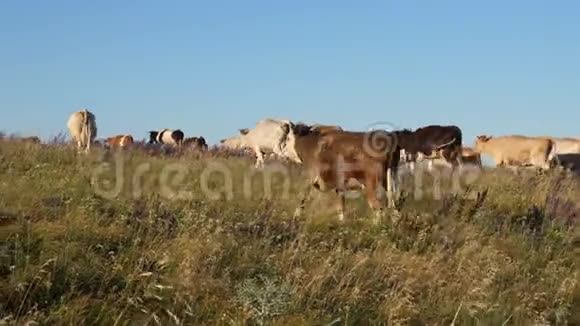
(503, 250)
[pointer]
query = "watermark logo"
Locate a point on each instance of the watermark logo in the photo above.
(216, 179)
(380, 139)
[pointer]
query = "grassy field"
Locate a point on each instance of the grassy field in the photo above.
(165, 248)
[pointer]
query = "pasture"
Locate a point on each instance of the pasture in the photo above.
(199, 240)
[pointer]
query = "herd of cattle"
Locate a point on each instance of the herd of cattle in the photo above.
(339, 160)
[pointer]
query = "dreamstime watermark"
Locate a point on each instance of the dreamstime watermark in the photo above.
(217, 180)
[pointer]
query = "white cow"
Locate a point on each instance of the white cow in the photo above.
(567, 151)
(234, 143)
(268, 136)
(82, 127)
(566, 145)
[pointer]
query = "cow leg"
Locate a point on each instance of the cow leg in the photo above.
(542, 162)
(394, 177)
(459, 160)
(79, 143)
(390, 188)
(82, 148)
(371, 187)
(429, 165)
(259, 158)
(277, 149)
(342, 204)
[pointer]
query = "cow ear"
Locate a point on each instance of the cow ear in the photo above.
(244, 131)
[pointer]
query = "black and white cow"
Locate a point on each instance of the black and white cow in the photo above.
(167, 137)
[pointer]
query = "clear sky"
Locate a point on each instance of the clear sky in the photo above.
(212, 67)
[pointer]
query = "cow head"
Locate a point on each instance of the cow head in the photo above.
(483, 138)
(480, 142)
(290, 146)
(301, 129)
(202, 143)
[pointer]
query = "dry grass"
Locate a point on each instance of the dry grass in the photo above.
(502, 251)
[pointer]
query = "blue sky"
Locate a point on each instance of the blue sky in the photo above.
(212, 67)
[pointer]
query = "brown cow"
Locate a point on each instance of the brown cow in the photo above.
(121, 141)
(334, 159)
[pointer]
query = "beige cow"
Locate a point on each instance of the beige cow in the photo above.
(82, 127)
(567, 151)
(565, 145)
(517, 150)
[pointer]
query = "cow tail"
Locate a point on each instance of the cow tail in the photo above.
(552, 151)
(285, 133)
(83, 133)
(459, 149)
(87, 129)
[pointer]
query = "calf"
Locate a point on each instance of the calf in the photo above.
(333, 159)
(167, 137)
(120, 141)
(517, 150)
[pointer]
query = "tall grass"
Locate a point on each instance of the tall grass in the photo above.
(503, 250)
